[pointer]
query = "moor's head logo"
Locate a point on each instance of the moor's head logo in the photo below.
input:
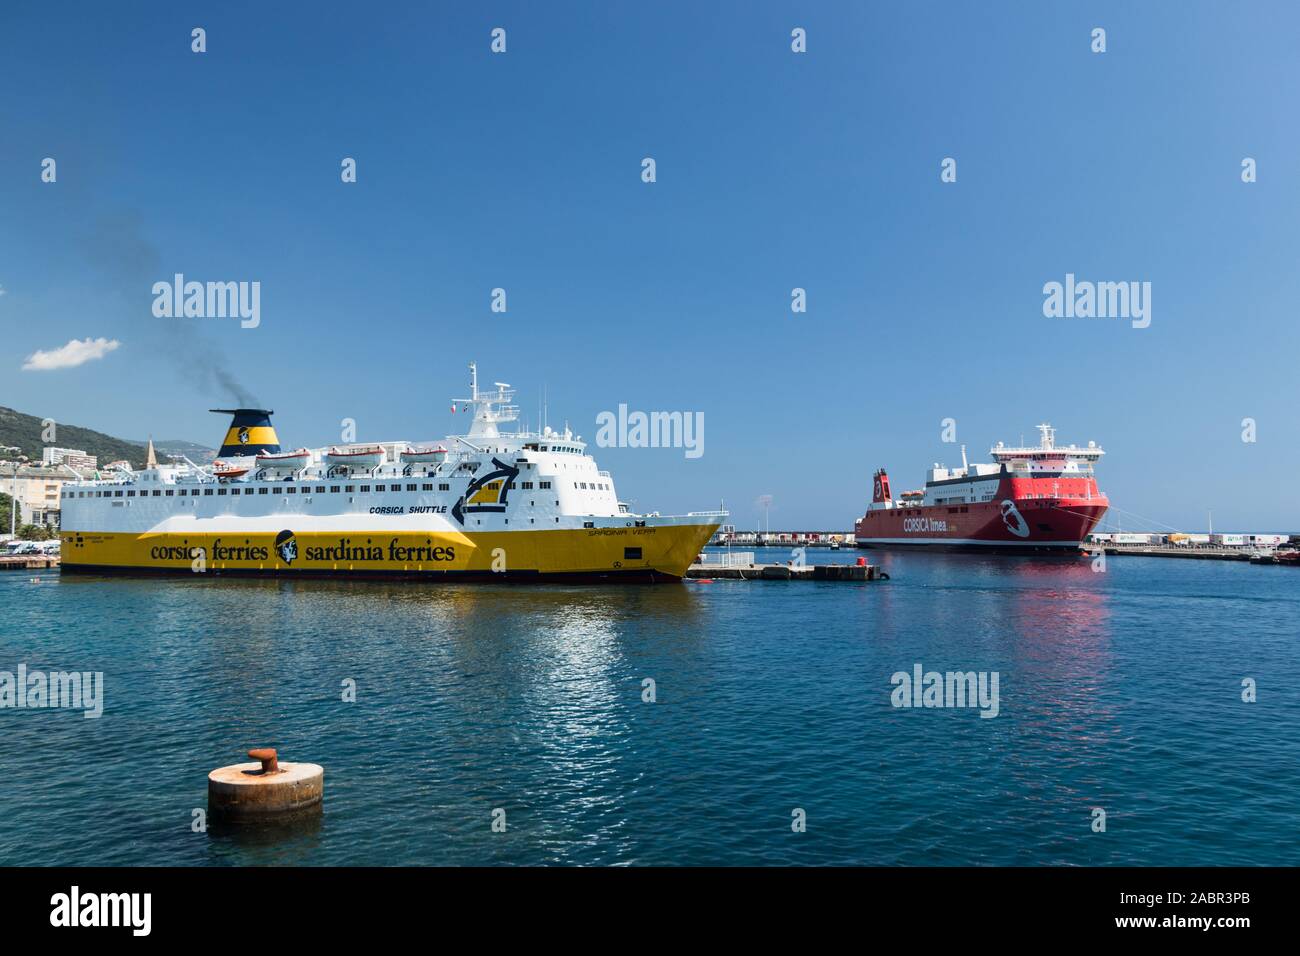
(286, 546)
(243, 434)
(1013, 519)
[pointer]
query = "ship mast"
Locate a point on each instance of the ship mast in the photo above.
(490, 408)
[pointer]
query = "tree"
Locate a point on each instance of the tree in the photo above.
(35, 532)
(6, 505)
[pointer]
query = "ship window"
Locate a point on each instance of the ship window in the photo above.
(631, 554)
(291, 490)
(544, 484)
(320, 489)
(184, 492)
(589, 524)
(207, 491)
(640, 524)
(156, 493)
(169, 492)
(412, 488)
(527, 485)
(365, 488)
(276, 490)
(334, 489)
(130, 494)
(261, 491)
(443, 486)
(428, 487)
(221, 491)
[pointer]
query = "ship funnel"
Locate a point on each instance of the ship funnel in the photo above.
(880, 490)
(250, 432)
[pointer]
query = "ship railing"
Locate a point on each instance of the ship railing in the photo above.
(708, 514)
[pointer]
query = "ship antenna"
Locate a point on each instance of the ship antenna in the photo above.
(473, 381)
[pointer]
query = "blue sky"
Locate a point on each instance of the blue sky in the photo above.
(775, 170)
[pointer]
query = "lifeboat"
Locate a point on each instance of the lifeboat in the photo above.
(288, 460)
(413, 456)
(221, 470)
(355, 457)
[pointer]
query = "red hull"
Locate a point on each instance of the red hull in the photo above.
(1026, 514)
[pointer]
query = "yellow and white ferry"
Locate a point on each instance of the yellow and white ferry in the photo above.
(488, 505)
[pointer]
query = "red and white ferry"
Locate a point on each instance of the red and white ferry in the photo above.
(1028, 499)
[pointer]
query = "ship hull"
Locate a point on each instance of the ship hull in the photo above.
(650, 554)
(1030, 526)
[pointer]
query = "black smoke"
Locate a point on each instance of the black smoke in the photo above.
(116, 245)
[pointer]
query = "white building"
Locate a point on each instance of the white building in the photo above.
(72, 457)
(36, 488)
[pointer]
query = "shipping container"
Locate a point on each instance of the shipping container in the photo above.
(1125, 537)
(1228, 540)
(1266, 540)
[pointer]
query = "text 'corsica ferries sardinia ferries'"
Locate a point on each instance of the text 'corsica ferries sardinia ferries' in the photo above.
(488, 505)
(1029, 499)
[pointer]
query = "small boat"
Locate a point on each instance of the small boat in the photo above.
(221, 470)
(292, 460)
(355, 457)
(414, 456)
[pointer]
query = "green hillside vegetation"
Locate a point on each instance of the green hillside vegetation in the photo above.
(25, 432)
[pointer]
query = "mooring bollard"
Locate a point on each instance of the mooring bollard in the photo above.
(266, 789)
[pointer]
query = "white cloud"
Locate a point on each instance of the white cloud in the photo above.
(2, 290)
(77, 352)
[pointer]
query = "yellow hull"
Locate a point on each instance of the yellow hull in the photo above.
(662, 552)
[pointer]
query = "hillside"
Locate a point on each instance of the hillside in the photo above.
(199, 454)
(25, 432)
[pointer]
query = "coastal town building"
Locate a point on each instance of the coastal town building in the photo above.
(36, 489)
(72, 457)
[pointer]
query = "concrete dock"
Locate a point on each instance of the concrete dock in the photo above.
(29, 562)
(1203, 552)
(786, 572)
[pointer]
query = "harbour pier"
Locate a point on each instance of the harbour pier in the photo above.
(741, 566)
(29, 562)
